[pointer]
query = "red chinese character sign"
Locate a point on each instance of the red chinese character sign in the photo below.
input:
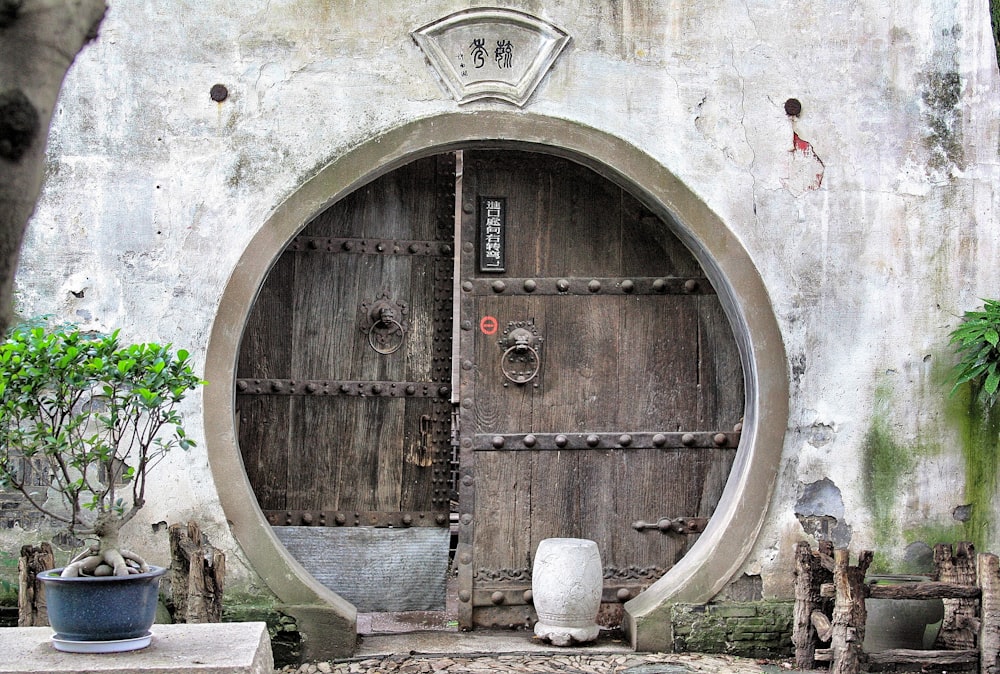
(491, 53)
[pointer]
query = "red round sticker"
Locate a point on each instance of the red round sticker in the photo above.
(488, 325)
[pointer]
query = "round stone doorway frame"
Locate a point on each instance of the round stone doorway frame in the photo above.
(732, 531)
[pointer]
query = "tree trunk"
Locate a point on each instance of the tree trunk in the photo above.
(849, 612)
(40, 39)
(810, 574)
(31, 607)
(197, 572)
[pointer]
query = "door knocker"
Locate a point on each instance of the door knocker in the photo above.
(521, 361)
(384, 322)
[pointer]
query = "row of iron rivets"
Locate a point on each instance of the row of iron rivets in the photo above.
(624, 440)
(381, 246)
(498, 597)
(341, 518)
(279, 386)
(594, 286)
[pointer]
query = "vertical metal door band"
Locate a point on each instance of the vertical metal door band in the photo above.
(445, 458)
(465, 395)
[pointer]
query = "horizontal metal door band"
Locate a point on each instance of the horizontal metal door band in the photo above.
(521, 595)
(355, 518)
(653, 285)
(371, 246)
(486, 442)
(336, 387)
(629, 575)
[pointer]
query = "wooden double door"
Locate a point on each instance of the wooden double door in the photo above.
(475, 352)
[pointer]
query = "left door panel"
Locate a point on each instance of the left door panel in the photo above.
(343, 391)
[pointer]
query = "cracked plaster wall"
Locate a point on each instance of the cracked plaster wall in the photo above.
(872, 243)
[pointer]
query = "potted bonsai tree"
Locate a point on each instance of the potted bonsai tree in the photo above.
(93, 417)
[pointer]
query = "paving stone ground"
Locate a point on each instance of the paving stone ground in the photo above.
(523, 663)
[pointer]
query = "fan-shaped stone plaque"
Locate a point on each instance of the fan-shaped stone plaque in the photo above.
(491, 53)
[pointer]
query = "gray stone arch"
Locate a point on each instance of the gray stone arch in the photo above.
(729, 537)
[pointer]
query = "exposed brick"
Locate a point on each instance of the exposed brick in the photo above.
(747, 629)
(733, 611)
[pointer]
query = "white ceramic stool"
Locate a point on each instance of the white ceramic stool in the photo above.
(566, 584)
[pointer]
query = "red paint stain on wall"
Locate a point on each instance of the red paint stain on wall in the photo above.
(805, 168)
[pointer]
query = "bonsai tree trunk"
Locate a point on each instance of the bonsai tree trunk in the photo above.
(40, 38)
(106, 558)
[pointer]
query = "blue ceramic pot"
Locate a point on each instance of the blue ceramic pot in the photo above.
(106, 608)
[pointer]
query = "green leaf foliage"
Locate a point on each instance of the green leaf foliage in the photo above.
(977, 341)
(88, 417)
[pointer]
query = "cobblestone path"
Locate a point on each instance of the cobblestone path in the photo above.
(589, 663)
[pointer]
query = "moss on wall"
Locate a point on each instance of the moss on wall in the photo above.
(285, 638)
(885, 463)
(979, 433)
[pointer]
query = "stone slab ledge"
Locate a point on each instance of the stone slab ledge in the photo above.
(206, 648)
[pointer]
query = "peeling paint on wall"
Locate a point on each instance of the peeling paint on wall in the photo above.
(820, 511)
(941, 95)
(804, 172)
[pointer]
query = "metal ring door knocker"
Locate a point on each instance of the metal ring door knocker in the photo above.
(520, 362)
(384, 322)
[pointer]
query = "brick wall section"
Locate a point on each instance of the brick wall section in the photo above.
(760, 629)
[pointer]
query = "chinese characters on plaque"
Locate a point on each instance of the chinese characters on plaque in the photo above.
(492, 233)
(491, 53)
(502, 54)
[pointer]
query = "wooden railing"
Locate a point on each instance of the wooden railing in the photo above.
(830, 598)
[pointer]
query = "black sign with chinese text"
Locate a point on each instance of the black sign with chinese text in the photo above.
(492, 233)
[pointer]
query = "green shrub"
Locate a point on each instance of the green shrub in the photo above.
(977, 341)
(92, 417)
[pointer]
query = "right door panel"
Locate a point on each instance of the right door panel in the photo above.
(600, 384)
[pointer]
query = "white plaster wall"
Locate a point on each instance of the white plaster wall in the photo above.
(154, 190)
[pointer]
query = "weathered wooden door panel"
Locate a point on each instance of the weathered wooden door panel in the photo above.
(263, 424)
(622, 422)
(344, 388)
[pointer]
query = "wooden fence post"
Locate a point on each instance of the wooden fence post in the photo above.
(961, 622)
(197, 572)
(988, 579)
(803, 633)
(31, 607)
(849, 612)
(811, 573)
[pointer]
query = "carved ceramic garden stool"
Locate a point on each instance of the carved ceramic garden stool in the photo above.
(566, 584)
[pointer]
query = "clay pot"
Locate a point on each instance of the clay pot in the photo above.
(901, 623)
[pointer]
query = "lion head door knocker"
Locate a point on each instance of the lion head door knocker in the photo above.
(521, 360)
(384, 322)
